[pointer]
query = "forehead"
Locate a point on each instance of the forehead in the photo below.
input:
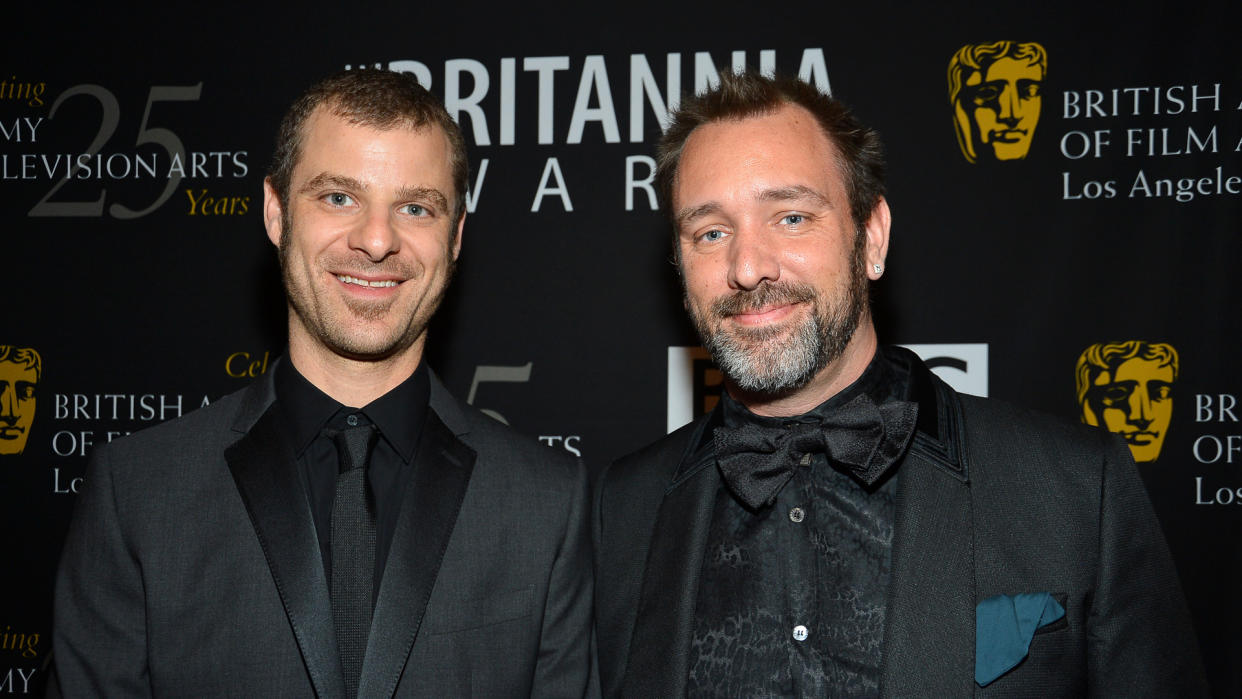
(12, 371)
(1136, 369)
(739, 157)
(1009, 69)
(333, 143)
(1143, 370)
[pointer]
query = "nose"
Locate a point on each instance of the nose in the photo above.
(1010, 106)
(376, 235)
(752, 259)
(1140, 409)
(8, 403)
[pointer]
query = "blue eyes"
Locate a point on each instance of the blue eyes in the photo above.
(340, 200)
(792, 221)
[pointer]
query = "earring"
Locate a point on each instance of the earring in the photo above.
(878, 269)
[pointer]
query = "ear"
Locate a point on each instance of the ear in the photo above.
(461, 223)
(877, 238)
(272, 211)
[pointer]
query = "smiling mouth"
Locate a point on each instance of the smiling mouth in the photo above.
(764, 314)
(1139, 438)
(11, 432)
(1009, 135)
(363, 282)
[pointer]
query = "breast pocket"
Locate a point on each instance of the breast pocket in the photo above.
(453, 614)
(1055, 664)
(1063, 600)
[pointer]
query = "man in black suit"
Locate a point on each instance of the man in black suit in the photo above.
(343, 527)
(844, 523)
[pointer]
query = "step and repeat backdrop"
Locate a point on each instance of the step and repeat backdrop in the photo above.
(1066, 189)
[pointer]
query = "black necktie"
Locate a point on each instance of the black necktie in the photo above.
(353, 551)
(859, 437)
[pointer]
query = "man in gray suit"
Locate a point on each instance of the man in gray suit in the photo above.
(844, 523)
(343, 527)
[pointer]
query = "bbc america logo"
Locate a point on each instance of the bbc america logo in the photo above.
(694, 381)
(963, 366)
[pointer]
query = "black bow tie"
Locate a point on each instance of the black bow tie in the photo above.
(860, 438)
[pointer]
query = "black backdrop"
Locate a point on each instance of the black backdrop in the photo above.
(147, 294)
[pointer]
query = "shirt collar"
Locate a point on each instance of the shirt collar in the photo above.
(887, 377)
(881, 380)
(398, 414)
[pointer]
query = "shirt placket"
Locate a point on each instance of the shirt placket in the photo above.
(799, 573)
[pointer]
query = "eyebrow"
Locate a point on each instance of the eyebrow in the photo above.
(327, 179)
(707, 209)
(794, 192)
(435, 196)
(790, 193)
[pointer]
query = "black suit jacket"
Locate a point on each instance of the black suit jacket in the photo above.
(991, 499)
(192, 566)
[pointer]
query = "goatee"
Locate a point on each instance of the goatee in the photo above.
(776, 359)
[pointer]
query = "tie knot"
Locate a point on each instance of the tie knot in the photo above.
(353, 446)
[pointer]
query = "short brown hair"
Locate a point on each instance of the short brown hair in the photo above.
(860, 155)
(381, 99)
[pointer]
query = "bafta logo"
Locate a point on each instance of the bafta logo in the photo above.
(1128, 388)
(20, 369)
(995, 91)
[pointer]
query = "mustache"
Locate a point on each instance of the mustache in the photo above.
(358, 265)
(766, 294)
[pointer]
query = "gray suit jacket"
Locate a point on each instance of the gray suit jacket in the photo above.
(991, 499)
(192, 566)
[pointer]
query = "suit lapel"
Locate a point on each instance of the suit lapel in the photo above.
(442, 468)
(264, 469)
(929, 640)
(660, 646)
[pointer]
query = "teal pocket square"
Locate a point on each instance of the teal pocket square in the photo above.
(1004, 626)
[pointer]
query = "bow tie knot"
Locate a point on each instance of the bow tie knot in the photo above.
(860, 438)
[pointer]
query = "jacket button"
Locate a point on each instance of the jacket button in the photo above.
(799, 633)
(797, 515)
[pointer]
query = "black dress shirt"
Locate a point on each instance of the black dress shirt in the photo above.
(305, 412)
(792, 597)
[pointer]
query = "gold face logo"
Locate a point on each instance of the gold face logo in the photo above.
(20, 370)
(1128, 388)
(995, 92)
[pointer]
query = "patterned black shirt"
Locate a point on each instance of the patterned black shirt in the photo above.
(792, 597)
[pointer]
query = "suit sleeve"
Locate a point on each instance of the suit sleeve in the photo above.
(99, 619)
(1141, 642)
(563, 668)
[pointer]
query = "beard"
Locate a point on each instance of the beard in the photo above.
(777, 359)
(335, 327)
